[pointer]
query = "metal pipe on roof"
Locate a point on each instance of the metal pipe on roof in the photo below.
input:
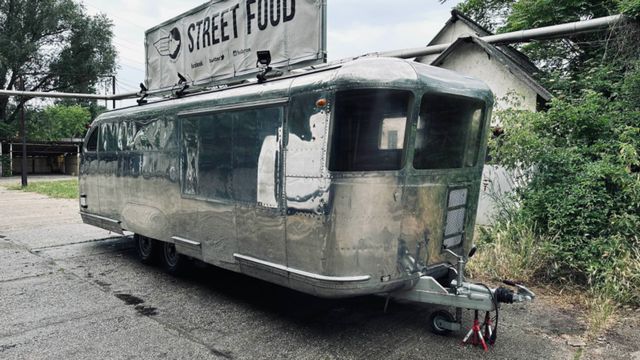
(59, 95)
(545, 32)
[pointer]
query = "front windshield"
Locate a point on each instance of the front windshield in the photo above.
(449, 132)
(369, 130)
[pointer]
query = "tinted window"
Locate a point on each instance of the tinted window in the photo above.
(226, 154)
(92, 143)
(369, 130)
(449, 132)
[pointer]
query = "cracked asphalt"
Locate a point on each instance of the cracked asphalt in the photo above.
(72, 291)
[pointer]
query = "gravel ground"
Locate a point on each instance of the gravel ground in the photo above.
(71, 291)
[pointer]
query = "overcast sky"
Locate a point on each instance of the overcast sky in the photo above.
(355, 27)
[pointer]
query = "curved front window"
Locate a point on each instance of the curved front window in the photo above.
(369, 128)
(449, 132)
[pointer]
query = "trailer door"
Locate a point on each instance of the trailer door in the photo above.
(230, 169)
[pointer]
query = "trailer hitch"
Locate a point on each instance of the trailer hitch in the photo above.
(465, 295)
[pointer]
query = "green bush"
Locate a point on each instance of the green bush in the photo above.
(583, 194)
(5, 160)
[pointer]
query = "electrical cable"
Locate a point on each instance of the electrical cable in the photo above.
(494, 335)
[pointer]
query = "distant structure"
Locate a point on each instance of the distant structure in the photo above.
(44, 158)
(510, 75)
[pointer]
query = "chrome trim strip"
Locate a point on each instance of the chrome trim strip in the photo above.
(99, 217)
(240, 106)
(185, 241)
(303, 273)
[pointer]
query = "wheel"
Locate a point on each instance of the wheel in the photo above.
(172, 261)
(148, 249)
(435, 322)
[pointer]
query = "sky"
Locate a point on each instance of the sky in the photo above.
(354, 27)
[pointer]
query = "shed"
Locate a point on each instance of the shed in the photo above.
(508, 72)
(43, 157)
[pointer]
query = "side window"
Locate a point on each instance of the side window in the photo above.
(231, 155)
(92, 143)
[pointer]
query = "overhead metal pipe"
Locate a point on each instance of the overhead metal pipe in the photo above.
(59, 95)
(546, 32)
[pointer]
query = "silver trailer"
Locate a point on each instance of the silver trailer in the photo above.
(359, 178)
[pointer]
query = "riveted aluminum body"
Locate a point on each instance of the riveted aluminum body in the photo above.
(328, 233)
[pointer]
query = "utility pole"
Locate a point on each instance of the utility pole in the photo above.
(23, 135)
(113, 88)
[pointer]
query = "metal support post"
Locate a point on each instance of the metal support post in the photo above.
(23, 133)
(113, 88)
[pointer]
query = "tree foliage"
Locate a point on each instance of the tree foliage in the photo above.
(51, 123)
(51, 45)
(60, 121)
(562, 56)
(582, 155)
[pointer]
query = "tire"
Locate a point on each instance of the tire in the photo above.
(173, 262)
(436, 317)
(148, 249)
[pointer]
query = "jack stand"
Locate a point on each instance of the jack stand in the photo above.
(488, 331)
(474, 336)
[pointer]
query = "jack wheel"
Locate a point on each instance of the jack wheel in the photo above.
(172, 261)
(437, 318)
(148, 249)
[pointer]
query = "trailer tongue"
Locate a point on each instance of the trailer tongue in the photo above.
(460, 295)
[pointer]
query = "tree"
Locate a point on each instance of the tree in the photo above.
(582, 155)
(560, 57)
(58, 122)
(51, 45)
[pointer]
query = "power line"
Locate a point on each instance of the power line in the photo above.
(133, 67)
(115, 16)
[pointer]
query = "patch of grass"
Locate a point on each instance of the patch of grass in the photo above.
(509, 251)
(578, 354)
(600, 313)
(67, 189)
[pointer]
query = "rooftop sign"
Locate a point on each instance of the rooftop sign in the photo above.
(219, 40)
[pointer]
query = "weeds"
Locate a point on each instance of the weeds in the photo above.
(600, 312)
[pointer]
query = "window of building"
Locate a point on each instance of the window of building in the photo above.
(449, 132)
(369, 130)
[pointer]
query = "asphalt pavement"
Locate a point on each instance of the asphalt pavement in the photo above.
(72, 291)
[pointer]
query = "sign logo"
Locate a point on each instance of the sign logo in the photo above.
(171, 45)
